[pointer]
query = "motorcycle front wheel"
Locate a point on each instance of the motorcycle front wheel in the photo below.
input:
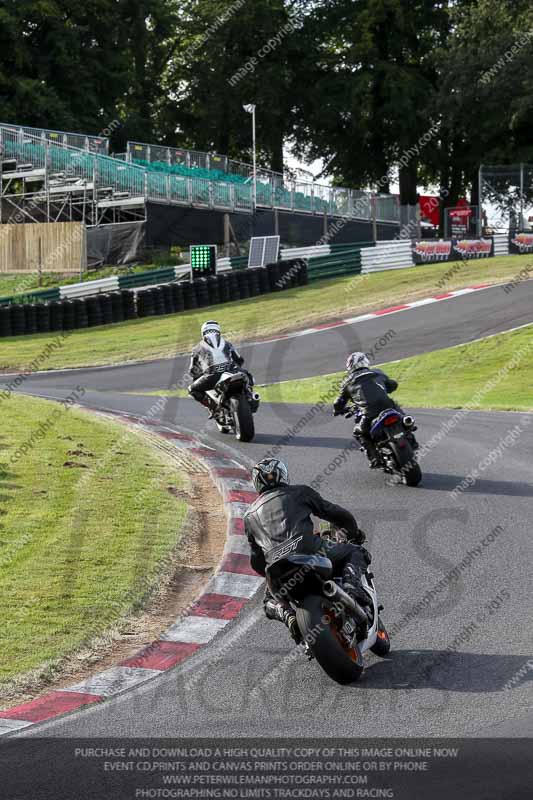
(316, 621)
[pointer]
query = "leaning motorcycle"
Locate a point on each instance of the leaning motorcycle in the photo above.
(336, 630)
(396, 445)
(234, 404)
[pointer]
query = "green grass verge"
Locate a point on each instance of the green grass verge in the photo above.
(493, 373)
(259, 317)
(88, 528)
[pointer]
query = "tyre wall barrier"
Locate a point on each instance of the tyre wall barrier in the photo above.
(323, 260)
(75, 312)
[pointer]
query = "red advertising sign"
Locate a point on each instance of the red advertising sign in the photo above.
(460, 213)
(430, 208)
(472, 248)
(523, 242)
(452, 249)
(432, 251)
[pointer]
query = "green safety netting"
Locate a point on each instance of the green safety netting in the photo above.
(162, 180)
(266, 194)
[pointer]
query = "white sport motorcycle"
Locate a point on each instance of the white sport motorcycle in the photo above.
(335, 629)
(234, 405)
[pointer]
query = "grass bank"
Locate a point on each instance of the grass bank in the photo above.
(88, 528)
(259, 317)
(494, 373)
(21, 283)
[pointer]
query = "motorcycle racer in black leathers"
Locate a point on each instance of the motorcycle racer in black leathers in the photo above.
(209, 358)
(368, 389)
(282, 511)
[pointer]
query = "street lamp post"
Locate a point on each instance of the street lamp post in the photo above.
(251, 110)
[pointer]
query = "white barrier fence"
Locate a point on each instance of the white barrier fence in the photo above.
(396, 254)
(89, 287)
(501, 244)
(306, 252)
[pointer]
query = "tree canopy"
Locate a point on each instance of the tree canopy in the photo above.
(427, 90)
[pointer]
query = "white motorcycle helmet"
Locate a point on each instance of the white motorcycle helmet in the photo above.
(211, 333)
(357, 361)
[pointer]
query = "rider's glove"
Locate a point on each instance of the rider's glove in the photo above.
(358, 538)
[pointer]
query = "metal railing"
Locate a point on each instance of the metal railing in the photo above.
(506, 196)
(104, 175)
(94, 144)
(192, 159)
(274, 190)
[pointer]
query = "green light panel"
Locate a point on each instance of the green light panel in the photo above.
(203, 259)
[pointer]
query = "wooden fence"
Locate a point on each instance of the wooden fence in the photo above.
(49, 247)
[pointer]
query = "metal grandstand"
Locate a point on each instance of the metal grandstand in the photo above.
(274, 190)
(82, 141)
(44, 179)
(50, 176)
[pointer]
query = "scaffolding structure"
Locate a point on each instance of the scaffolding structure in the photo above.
(45, 178)
(506, 196)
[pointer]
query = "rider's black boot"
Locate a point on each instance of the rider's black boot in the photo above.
(283, 613)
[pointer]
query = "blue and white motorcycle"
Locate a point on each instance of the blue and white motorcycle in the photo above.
(393, 437)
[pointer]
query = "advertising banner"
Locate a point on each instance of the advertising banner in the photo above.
(521, 243)
(472, 248)
(459, 220)
(428, 251)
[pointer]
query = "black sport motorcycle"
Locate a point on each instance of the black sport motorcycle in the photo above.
(335, 629)
(234, 404)
(395, 442)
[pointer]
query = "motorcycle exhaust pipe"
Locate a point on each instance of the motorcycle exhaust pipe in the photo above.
(256, 396)
(333, 591)
(409, 421)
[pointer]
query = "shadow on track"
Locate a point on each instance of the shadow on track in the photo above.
(303, 441)
(447, 671)
(447, 483)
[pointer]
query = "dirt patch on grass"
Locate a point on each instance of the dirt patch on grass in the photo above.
(198, 553)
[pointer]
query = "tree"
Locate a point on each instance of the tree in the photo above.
(59, 63)
(485, 97)
(79, 66)
(371, 87)
(228, 54)
(148, 36)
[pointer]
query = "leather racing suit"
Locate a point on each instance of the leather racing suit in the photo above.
(207, 363)
(368, 389)
(285, 511)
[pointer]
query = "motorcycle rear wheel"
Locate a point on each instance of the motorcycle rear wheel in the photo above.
(343, 665)
(409, 467)
(413, 475)
(243, 419)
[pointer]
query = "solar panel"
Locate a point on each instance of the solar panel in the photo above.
(271, 250)
(263, 250)
(257, 249)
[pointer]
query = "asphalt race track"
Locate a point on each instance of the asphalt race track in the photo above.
(457, 669)
(454, 321)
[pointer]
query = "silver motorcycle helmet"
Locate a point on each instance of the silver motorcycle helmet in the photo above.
(269, 473)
